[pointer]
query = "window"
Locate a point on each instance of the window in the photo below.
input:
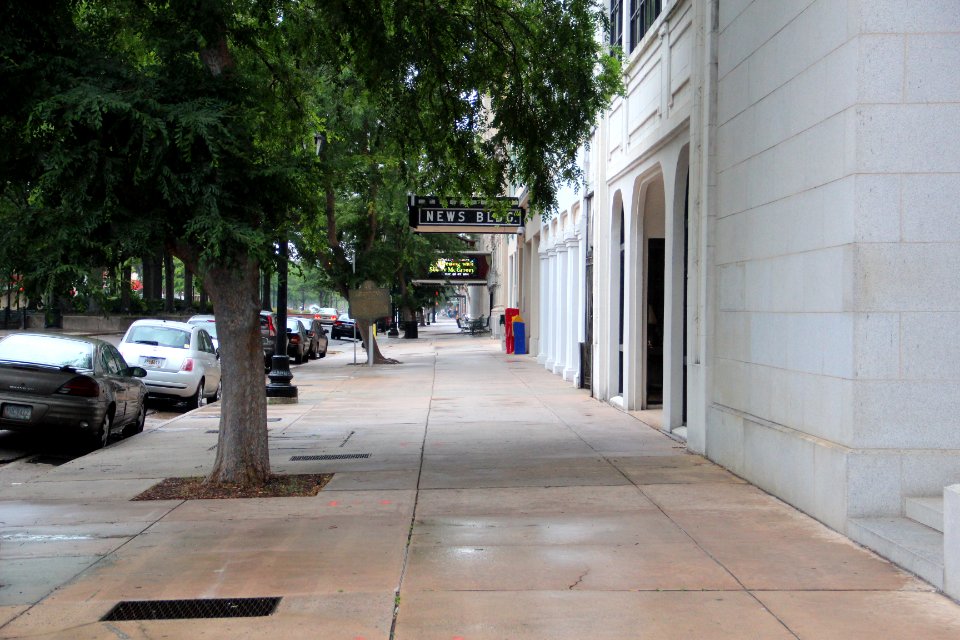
(616, 23)
(643, 13)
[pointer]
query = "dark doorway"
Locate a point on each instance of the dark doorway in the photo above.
(686, 250)
(655, 271)
(586, 347)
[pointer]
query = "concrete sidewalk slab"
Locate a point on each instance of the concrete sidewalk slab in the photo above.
(494, 501)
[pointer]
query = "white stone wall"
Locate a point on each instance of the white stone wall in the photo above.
(837, 249)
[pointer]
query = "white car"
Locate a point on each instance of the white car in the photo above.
(179, 358)
(209, 323)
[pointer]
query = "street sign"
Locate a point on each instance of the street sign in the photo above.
(369, 302)
(429, 214)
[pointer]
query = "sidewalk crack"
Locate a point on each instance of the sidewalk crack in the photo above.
(579, 580)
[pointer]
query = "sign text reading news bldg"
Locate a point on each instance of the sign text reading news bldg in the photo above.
(429, 215)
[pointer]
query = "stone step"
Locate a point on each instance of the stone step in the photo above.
(909, 544)
(926, 510)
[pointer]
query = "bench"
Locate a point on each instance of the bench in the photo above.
(476, 326)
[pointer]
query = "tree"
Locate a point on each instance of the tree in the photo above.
(189, 127)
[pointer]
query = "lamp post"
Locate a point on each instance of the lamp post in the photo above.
(280, 376)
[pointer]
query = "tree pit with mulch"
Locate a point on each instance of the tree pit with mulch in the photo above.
(276, 486)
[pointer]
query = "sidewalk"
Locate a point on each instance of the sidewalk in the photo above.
(496, 502)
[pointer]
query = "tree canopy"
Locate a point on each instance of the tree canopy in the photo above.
(211, 128)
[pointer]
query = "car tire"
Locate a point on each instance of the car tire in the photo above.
(216, 394)
(101, 436)
(196, 400)
(137, 425)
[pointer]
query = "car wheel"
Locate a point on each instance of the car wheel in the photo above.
(101, 436)
(196, 400)
(137, 425)
(216, 394)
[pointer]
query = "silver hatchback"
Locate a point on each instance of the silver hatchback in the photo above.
(180, 360)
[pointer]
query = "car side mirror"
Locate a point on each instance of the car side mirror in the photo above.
(136, 372)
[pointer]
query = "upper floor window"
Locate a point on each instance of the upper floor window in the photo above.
(616, 23)
(643, 13)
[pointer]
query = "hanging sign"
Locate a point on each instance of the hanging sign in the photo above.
(429, 214)
(470, 268)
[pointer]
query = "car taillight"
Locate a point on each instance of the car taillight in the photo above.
(294, 339)
(80, 386)
(187, 365)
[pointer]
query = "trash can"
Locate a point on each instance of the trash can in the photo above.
(519, 337)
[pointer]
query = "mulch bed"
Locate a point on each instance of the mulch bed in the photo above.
(196, 488)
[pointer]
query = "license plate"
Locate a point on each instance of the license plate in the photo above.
(151, 362)
(17, 411)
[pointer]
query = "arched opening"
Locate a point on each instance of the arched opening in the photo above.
(653, 268)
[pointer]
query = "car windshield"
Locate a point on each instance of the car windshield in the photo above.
(328, 311)
(345, 318)
(58, 352)
(294, 323)
(159, 336)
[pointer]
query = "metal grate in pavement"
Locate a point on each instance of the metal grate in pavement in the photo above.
(339, 456)
(188, 609)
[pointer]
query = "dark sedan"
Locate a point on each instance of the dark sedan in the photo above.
(343, 328)
(316, 337)
(80, 385)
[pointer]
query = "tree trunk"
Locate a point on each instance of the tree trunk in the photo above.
(265, 297)
(363, 327)
(168, 293)
(242, 453)
(187, 288)
(125, 276)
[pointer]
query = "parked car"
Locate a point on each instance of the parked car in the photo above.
(326, 315)
(268, 337)
(343, 327)
(316, 337)
(298, 343)
(180, 361)
(209, 323)
(66, 382)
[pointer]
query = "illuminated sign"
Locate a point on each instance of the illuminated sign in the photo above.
(470, 268)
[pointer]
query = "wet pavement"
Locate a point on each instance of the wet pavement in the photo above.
(475, 497)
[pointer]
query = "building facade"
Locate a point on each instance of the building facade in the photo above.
(766, 251)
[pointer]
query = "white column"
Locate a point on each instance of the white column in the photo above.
(475, 298)
(574, 308)
(550, 311)
(543, 311)
(561, 313)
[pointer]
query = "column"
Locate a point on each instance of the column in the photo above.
(574, 309)
(542, 312)
(550, 310)
(560, 352)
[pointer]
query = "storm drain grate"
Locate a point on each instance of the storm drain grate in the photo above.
(339, 456)
(187, 609)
